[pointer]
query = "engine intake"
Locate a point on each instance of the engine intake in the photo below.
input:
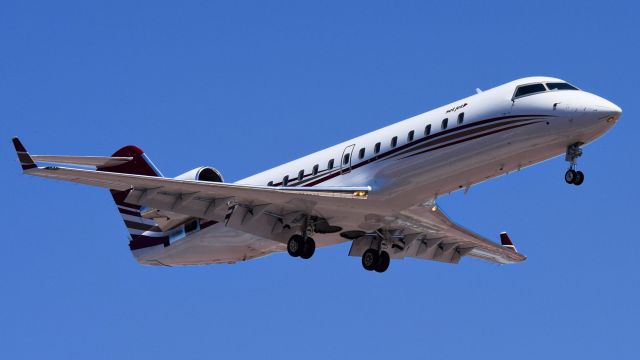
(203, 173)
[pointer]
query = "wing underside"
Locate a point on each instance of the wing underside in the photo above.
(425, 232)
(440, 234)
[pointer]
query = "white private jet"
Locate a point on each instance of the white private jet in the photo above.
(378, 190)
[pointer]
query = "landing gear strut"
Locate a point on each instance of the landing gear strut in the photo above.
(572, 176)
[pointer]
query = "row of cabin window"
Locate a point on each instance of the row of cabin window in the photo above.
(410, 136)
(376, 149)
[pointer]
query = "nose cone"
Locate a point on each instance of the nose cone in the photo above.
(602, 107)
(608, 107)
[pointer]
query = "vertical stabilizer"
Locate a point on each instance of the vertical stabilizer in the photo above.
(143, 232)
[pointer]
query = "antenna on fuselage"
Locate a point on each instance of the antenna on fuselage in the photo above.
(478, 91)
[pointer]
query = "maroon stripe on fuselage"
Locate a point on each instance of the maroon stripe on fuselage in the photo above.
(455, 136)
(420, 143)
(428, 138)
(473, 138)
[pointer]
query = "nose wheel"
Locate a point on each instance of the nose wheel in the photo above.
(573, 176)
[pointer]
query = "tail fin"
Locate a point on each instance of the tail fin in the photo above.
(144, 233)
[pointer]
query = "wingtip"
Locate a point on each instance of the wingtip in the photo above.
(26, 162)
(505, 240)
(17, 144)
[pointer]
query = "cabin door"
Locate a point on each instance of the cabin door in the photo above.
(345, 160)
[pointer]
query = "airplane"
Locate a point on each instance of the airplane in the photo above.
(378, 190)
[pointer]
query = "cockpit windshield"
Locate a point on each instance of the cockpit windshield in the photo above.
(530, 89)
(560, 86)
(524, 90)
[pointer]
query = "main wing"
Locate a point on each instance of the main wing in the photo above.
(423, 232)
(441, 233)
(267, 211)
(143, 186)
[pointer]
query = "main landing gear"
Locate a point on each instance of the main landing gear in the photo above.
(572, 176)
(302, 246)
(373, 259)
(378, 245)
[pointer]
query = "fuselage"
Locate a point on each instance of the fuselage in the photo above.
(416, 160)
(483, 136)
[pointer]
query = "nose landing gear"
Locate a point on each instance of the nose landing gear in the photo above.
(573, 176)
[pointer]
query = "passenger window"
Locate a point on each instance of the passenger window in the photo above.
(444, 124)
(361, 153)
(528, 90)
(410, 136)
(315, 170)
(300, 175)
(330, 164)
(394, 141)
(460, 118)
(427, 130)
(376, 148)
(345, 161)
(285, 181)
(270, 183)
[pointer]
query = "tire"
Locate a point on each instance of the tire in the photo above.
(309, 248)
(295, 246)
(570, 176)
(579, 178)
(370, 259)
(383, 262)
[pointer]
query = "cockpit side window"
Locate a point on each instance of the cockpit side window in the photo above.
(524, 90)
(561, 86)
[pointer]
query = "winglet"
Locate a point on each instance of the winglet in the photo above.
(23, 156)
(506, 241)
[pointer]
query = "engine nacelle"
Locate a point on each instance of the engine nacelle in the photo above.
(203, 173)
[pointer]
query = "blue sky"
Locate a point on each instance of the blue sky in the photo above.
(244, 86)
